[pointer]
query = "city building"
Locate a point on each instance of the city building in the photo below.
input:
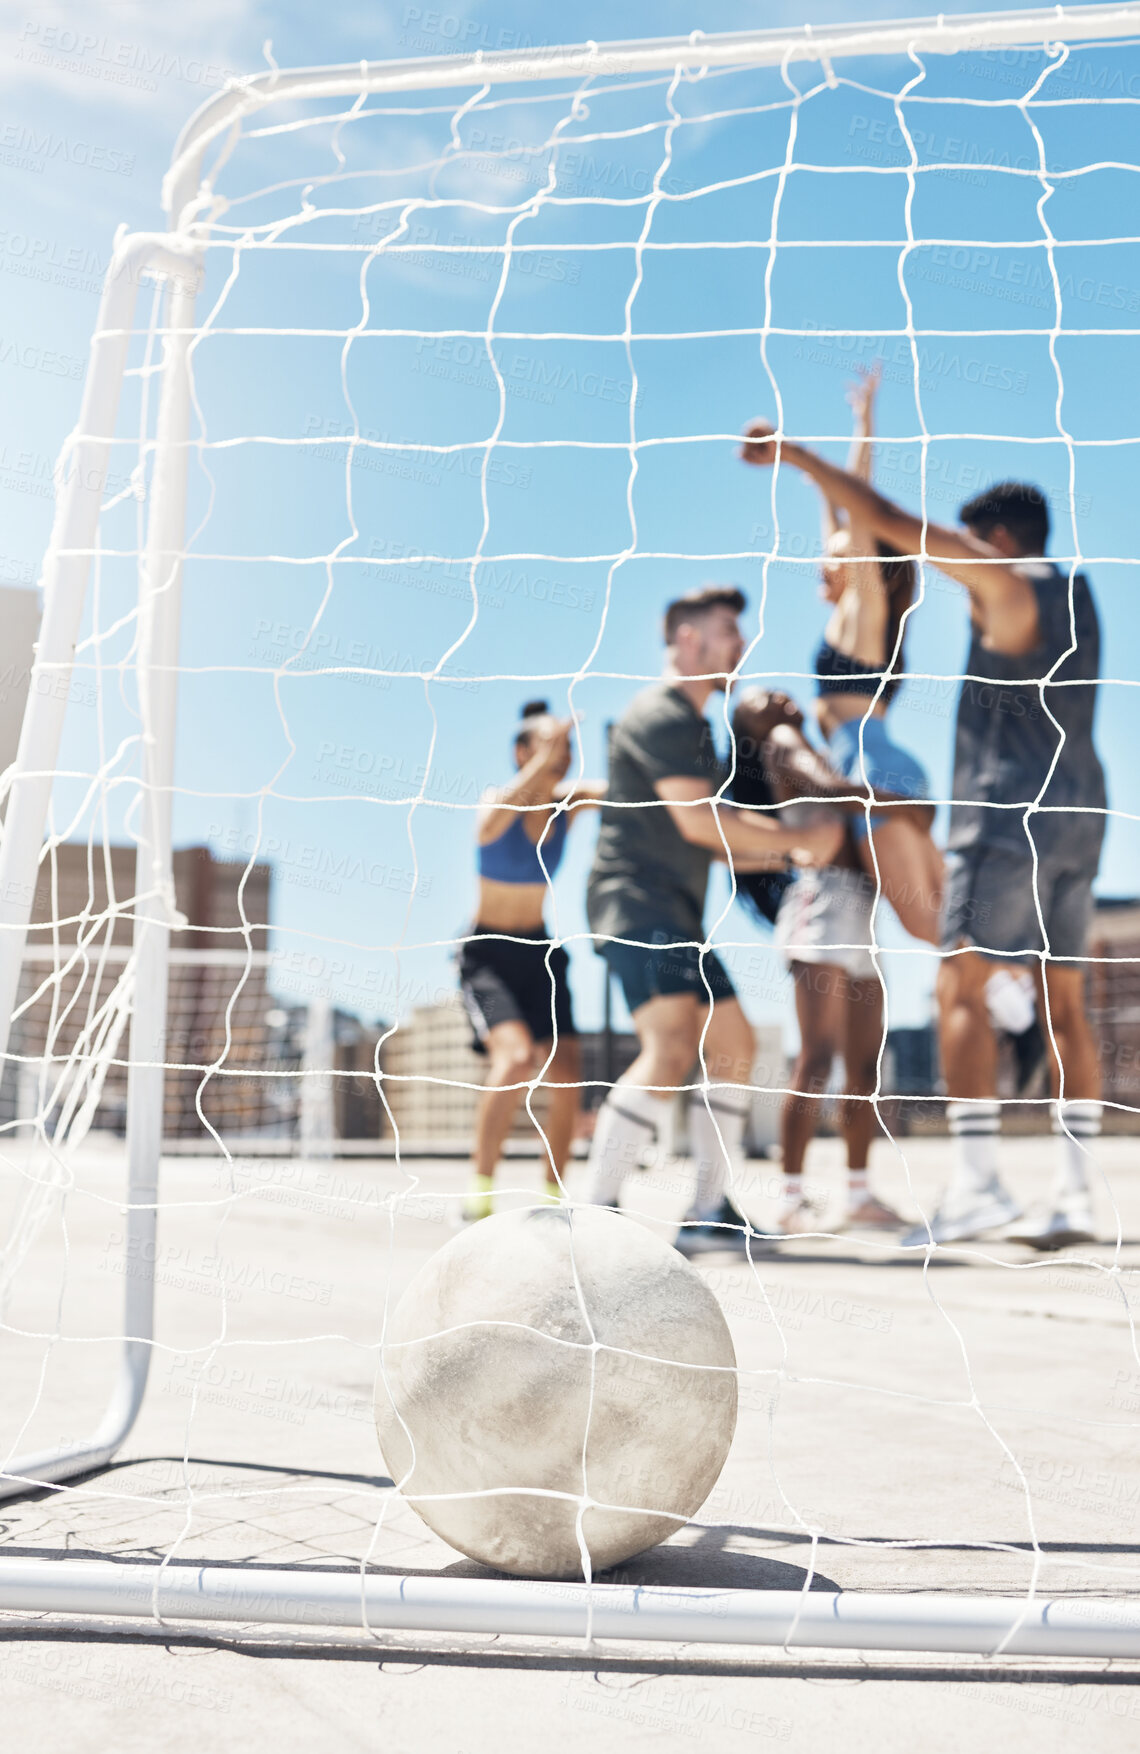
(233, 1051)
(1112, 986)
(433, 1076)
(267, 1073)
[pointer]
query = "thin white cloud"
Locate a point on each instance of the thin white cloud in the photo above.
(162, 58)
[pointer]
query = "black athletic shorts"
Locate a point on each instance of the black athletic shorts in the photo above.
(505, 981)
(664, 966)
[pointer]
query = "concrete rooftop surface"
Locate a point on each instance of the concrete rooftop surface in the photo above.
(967, 1427)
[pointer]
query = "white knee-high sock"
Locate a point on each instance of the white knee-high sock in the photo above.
(974, 1128)
(627, 1121)
(1082, 1121)
(714, 1159)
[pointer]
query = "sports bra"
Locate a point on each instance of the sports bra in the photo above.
(836, 673)
(513, 856)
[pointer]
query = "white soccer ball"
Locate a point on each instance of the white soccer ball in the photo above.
(559, 1362)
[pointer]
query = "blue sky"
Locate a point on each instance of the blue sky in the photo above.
(89, 129)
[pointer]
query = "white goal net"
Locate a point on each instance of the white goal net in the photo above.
(423, 401)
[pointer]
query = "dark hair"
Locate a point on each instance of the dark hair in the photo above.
(532, 709)
(698, 603)
(1021, 507)
(899, 580)
(760, 891)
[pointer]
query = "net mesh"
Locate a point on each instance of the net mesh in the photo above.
(468, 377)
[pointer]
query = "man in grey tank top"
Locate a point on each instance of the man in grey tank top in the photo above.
(1026, 827)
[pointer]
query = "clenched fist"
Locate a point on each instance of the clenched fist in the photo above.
(759, 447)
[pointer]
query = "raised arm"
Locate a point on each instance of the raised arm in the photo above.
(755, 842)
(534, 783)
(830, 523)
(580, 795)
(1002, 597)
(862, 396)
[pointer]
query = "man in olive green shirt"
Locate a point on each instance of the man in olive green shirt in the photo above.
(663, 823)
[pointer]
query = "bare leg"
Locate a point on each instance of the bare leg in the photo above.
(860, 1122)
(861, 1043)
(820, 1011)
(729, 1045)
(1066, 994)
(565, 1105)
(511, 1048)
(668, 1029)
(966, 1036)
(910, 868)
(974, 1200)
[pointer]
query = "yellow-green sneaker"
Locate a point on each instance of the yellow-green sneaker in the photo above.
(479, 1201)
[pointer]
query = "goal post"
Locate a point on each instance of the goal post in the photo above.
(194, 202)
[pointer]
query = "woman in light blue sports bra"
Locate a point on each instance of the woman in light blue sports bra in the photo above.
(863, 641)
(513, 980)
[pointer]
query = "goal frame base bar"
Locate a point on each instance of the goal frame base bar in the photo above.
(970, 1625)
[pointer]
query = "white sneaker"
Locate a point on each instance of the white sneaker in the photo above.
(805, 1218)
(962, 1217)
(1065, 1225)
(871, 1214)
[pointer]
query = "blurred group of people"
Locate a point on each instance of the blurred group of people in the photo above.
(820, 814)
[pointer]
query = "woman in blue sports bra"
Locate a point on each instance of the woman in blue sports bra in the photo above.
(862, 641)
(513, 982)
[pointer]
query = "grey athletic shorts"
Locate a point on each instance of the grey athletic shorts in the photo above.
(989, 902)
